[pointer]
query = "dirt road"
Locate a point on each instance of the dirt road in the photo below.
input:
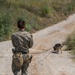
(44, 61)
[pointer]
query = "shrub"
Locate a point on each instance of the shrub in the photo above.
(28, 27)
(5, 27)
(45, 11)
(70, 42)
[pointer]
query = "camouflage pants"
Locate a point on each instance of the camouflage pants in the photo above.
(23, 69)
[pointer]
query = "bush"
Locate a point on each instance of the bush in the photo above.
(28, 27)
(5, 27)
(69, 7)
(70, 42)
(45, 11)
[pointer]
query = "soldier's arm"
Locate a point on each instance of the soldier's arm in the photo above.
(30, 41)
(13, 40)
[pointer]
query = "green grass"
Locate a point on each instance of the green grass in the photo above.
(38, 14)
(70, 42)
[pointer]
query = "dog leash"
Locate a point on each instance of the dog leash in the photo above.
(44, 58)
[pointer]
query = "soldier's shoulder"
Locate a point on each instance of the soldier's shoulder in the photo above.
(14, 34)
(28, 34)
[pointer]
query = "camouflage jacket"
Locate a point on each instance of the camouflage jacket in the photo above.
(22, 41)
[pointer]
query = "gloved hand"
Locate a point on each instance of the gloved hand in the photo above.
(13, 50)
(30, 58)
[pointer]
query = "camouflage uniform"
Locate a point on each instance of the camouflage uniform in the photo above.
(21, 41)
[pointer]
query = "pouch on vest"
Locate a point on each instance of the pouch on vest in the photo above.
(27, 58)
(18, 59)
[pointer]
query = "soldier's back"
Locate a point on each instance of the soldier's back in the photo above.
(20, 40)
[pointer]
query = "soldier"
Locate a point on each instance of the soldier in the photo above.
(21, 42)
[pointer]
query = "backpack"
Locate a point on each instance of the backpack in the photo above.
(18, 59)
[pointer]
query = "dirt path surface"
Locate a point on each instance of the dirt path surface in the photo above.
(44, 61)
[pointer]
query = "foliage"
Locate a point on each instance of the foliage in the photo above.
(70, 42)
(45, 11)
(38, 14)
(28, 27)
(5, 27)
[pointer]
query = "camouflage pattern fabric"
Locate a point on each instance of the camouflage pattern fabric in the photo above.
(16, 70)
(21, 41)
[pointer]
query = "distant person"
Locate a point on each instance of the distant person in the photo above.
(57, 47)
(21, 41)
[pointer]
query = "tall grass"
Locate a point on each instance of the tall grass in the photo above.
(38, 14)
(70, 42)
(5, 27)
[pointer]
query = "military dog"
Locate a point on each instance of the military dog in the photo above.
(57, 47)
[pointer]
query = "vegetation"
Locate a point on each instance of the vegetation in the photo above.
(70, 42)
(38, 14)
(5, 27)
